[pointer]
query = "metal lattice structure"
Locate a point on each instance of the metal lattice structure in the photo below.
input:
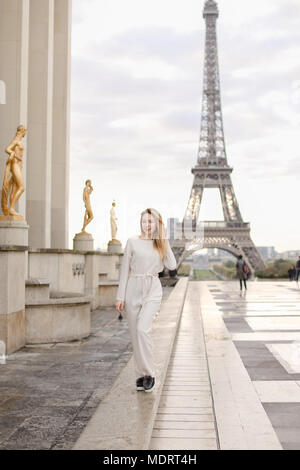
(212, 169)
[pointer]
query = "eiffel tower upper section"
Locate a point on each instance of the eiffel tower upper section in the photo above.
(212, 169)
(211, 152)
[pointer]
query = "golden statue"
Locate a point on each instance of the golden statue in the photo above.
(88, 216)
(113, 223)
(13, 185)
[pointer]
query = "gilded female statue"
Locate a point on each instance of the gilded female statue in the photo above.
(113, 222)
(88, 216)
(13, 185)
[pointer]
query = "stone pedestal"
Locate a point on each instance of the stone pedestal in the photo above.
(114, 246)
(13, 232)
(83, 241)
(13, 247)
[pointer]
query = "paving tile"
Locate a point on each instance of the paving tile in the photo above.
(185, 433)
(182, 444)
(175, 387)
(208, 417)
(198, 371)
(183, 378)
(267, 374)
(283, 414)
(187, 393)
(291, 446)
(237, 325)
(200, 410)
(275, 323)
(184, 425)
(277, 391)
(289, 435)
(187, 382)
(185, 402)
(288, 355)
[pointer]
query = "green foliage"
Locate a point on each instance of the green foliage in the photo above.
(276, 269)
(184, 270)
(204, 275)
(229, 272)
(229, 264)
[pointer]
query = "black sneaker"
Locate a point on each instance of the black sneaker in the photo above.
(149, 383)
(139, 383)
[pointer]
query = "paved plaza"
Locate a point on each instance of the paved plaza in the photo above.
(232, 381)
(253, 352)
(264, 325)
(50, 391)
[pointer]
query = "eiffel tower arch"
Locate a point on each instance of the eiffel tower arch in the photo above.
(212, 171)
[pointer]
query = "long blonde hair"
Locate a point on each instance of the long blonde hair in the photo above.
(159, 242)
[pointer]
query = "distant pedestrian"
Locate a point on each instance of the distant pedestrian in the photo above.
(298, 269)
(294, 273)
(291, 274)
(242, 271)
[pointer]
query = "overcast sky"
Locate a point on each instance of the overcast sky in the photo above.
(136, 96)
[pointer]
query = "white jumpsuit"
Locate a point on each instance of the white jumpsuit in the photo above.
(141, 289)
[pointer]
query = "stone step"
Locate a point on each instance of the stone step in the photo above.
(187, 410)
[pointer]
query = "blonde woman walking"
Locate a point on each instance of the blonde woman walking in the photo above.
(140, 291)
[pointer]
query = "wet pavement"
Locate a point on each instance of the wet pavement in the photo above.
(49, 392)
(264, 324)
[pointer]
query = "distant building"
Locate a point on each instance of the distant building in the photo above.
(201, 262)
(219, 256)
(173, 228)
(267, 252)
(291, 254)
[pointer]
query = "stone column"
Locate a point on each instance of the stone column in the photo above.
(14, 30)
(61, 124)
(40, 100)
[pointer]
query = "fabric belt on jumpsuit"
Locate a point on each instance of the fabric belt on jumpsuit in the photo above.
(144, 276)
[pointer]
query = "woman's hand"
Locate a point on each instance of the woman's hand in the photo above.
(119, 306)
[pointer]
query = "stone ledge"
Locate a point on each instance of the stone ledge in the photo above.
(37, 282)
(108, 283)
(11, 223)
(57, 294)
(59, 301)
(13, 248)
(124, 419)
(71, 252)
(57, 320)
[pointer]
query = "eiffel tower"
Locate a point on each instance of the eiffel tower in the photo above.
(213, 171)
